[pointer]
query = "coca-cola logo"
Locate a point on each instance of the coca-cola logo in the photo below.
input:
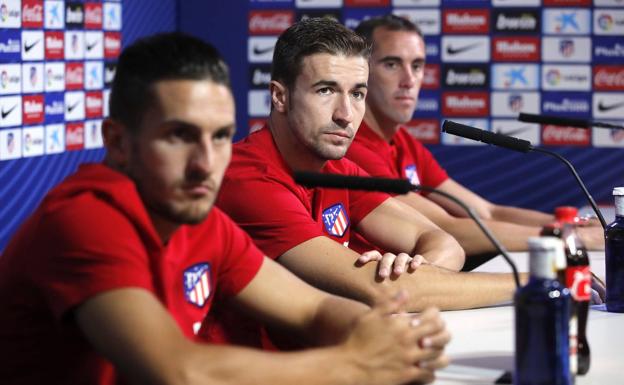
(608, 78)
(431, 76)
(74, 76)
(93, 15)
(32, 14)
(425, 130)
(270, 22)
(565, 136)
(578, 280)
(74, 136)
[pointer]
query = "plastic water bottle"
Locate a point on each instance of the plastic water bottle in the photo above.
(542, 310)
(614, 253)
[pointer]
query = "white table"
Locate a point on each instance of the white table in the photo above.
(482, 347)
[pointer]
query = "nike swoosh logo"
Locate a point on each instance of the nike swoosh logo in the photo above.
(92, 45)
(261, 51)
(454, 50)
(28, 47)
(71, 108)
(603, 107)
(518, 130)
(6, 113)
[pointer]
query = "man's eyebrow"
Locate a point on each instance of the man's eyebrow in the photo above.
(329, 83)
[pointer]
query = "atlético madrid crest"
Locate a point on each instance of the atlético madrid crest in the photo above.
(197, 284)
(336, 220)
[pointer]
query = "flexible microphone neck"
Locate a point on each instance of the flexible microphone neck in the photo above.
(399, 186)
(563, 121)
(517, 145)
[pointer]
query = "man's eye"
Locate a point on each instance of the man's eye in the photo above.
(359, 95)
(222, 136)
(324, 91)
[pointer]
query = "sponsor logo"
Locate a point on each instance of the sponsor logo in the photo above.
(326, 14)
(32, 45)
(32, 13)
(465, 103)
(367, 3)
(109, 73)
(32, 141)
(455, 140)
(608, 78)
(54, 45)
(74, 136)
(615, 3)
(415, 3)
(55, 138)
(565, 136)
(93, 104)
(565, 21)
(566, 104)
(10, 14)
(32, 109)
(32, 77)
(425, 130)
(259, 103)
(54, 17)
(10, 46)
(606, 107)
(10, 79)
(465, 49)
(10, 144)
(567, 3)
(431, 76)
(74, 45)
(465, 76)
(318, 3)
(428, 104)
(509, 104)
(427, 19)
(566, 77)
(197, 283)
(260, 76)
(466, 21)
(93, 15)
(432, 49)
(112, 16)
(519, 48)
(93, 134)
(54, 76)
(10, 111)
(566, 49)
(608, 22)
(54, 107)
(112, 44)
(74, 76)
(515, 76)
(515, 3)
(336, 220)
(516, 21)
(94, 75)
(74, 15)
(94, 45)
(352, 17)
(260, 49)
(525, 131)
(74, 105)
(270, 22)
(256, 124)
(608, 137)
(608, 49)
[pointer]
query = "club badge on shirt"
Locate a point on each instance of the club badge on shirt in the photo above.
(336, 220)
(411, 174)
(197, 284)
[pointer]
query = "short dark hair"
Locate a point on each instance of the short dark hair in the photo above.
(164, 56)
(309, 37)
(390, 22)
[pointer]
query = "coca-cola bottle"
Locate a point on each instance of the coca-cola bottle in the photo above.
(578, 280)
(614, 253)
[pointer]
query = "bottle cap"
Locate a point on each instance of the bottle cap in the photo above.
(566, 214)
(546, 256)
(618, 191)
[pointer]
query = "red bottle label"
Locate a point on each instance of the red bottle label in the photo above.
(578, 280)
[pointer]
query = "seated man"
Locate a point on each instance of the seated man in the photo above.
(110, 279)
(384, 148)
(318, 88)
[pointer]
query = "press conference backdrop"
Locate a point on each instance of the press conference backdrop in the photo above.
(487, 61)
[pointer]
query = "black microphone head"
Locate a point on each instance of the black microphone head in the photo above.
(488, 137)
(554, 120)
(348, 182)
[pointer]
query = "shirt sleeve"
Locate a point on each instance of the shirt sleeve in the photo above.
(370, 161)
(431, 173)
(93, 249)
(270, 212)
(363, 202)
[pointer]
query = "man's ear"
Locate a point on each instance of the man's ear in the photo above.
(279, 96)
(116, 142)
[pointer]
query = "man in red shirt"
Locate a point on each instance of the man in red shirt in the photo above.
(318, 88)
(111, 278)
(384, 148)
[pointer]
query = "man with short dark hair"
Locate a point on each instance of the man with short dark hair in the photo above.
(317, 107)
(112, 277)
(384, 148)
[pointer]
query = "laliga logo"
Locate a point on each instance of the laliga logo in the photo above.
(4, 79)
(553, 77)
(515, 102)
(605, 22)
(4, 12)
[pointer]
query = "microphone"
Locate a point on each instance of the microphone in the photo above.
(399, 186)
(516, 144)
(562, 121)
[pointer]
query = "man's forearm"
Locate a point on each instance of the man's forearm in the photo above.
(333, 321)
(521, 216)
(441, 249)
